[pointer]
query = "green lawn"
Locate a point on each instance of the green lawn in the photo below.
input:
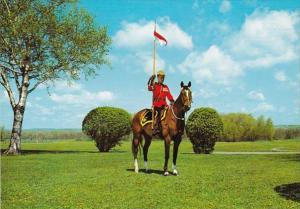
(72, 174)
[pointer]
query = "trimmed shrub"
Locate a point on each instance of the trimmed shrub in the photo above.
(204, 127)
(106, 126)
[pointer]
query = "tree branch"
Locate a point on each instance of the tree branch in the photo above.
(5, 83)
(36, 85)
(9, 69)
(17, 81)
(15, 74)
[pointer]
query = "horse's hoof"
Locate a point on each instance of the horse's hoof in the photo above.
(136, 166)
(166, 173)
(175, 172)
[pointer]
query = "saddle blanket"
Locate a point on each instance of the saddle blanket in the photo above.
(147, 116)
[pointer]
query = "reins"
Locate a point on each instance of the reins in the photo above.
(175, 115)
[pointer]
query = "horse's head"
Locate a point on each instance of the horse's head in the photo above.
(186, 96)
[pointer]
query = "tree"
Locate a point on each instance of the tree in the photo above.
(260, 127)
(106, 126)
(204, 127)
(269, 129)
(2, 132)
(43, 41)
(238, 127)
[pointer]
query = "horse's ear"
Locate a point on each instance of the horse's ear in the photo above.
(181, 84)
(190, 84)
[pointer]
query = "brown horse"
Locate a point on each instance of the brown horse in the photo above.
(172, 129)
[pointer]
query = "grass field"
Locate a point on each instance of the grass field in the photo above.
(73, 174)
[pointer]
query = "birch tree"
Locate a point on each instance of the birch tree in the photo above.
(43, 41)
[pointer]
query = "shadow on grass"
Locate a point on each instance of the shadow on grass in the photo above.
(289, 191)
(295, 158)
(150, 171)
(25, 152)
(289, 158)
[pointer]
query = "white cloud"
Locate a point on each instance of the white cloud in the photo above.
(146, 61)
(280, 76)
(263, 107)
(67, 86)
(212, 66)
(141, 61)
(39, 109)
(83, 97)
(62, 85)
(205, 93)
(137, 35)
(225, 6)
(218, 28)
(266, 38)
(256, 95)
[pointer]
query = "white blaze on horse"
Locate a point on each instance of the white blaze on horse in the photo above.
(173, 123)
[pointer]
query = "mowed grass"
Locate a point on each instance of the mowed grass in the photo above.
(73, 174)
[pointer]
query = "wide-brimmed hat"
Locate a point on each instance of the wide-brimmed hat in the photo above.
(161, 72)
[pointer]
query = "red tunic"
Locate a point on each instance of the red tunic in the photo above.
(160, 92)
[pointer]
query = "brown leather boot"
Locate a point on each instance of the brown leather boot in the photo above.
(157, 127)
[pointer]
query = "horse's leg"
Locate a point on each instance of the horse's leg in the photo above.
(135, 148)
(145, 150)
(167, 153)
(175, 152)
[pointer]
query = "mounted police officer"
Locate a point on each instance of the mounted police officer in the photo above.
(160, 93)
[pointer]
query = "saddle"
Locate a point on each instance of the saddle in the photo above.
(147, 116)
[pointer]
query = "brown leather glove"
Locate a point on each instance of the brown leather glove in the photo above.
(151, 79)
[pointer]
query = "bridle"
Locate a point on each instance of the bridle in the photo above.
(175, 116)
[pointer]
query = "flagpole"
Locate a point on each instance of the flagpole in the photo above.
(153, 73)
(154, 50)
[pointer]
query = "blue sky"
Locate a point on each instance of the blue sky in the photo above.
(241, 56)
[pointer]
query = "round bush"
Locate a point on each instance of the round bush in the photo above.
(107, 126)
(204, 127)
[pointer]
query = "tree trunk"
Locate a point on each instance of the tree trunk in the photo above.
(15, 139)
(19, 109)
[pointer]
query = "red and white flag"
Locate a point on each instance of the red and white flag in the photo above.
(162, 40)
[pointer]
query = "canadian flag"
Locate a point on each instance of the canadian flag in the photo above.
(162, 40)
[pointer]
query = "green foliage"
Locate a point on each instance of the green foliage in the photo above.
(56, 39)
(244, 127)
(238, 127)
(287, 132)
(260, 127)
(40, 135)
(269, 129)
(107, 126)
(204, 127)
(2, 132)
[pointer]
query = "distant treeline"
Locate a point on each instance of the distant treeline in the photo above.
(244, 127)
(236, 127)
(287, 132)
(45, 134)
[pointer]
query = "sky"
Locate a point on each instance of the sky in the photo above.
(241, 56)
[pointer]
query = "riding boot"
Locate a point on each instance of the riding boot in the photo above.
(157, 129)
